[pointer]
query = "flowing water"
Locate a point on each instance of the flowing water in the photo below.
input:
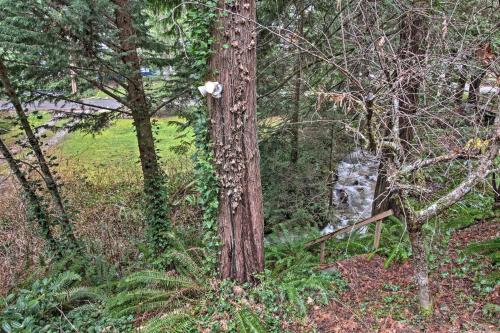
(353, 191)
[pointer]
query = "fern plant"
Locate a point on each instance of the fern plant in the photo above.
(149, 291)
(394, 242)
(292, 280)
(173, 296)
(58, 304)
(189, 299)
(248, 322)
(490, 248)
(173, 322)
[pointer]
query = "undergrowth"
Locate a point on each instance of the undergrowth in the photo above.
(183, 298)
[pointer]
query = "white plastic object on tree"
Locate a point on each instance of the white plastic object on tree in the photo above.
(212, 88)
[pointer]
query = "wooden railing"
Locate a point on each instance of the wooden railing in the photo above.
(376, 218)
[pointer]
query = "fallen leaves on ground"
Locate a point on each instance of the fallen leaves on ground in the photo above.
(384, 300)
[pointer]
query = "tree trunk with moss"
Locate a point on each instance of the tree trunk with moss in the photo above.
(416, 220)
(154, 182)
(234, 135)
(420, 265)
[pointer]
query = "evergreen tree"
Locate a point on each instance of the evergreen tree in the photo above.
(102, 45)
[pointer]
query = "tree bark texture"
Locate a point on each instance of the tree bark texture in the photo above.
(234, 136)
(48, 178)
(419, 260)
(136, 96)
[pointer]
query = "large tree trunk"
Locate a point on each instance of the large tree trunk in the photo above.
(35, 146)
(35, 210)
(298, 86)
(154, 183)
(234, 134)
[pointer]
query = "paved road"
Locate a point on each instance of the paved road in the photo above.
(65, 106)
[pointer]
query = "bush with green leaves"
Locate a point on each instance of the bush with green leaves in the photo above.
(58, 304)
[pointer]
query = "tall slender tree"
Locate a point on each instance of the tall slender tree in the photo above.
(299, 7)
(154, 185)
(48, 178)
(407, 81)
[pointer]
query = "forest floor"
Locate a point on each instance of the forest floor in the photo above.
(384, 300)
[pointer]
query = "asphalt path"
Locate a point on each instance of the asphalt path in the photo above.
(66, 106)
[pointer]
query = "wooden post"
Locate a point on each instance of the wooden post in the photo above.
(378, 230)
(322, 253)
(322, 240)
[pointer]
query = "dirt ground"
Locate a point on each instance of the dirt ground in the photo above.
(384, 300)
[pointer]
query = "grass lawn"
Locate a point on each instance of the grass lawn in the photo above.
(9, 131)
(114, 151)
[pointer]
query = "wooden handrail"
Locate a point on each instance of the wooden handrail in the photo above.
(355, 226)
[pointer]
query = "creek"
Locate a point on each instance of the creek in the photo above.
(353, 190)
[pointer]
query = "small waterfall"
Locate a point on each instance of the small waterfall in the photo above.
(353, 191)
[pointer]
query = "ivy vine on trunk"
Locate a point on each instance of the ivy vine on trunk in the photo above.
(154, 180)
(36, 210)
